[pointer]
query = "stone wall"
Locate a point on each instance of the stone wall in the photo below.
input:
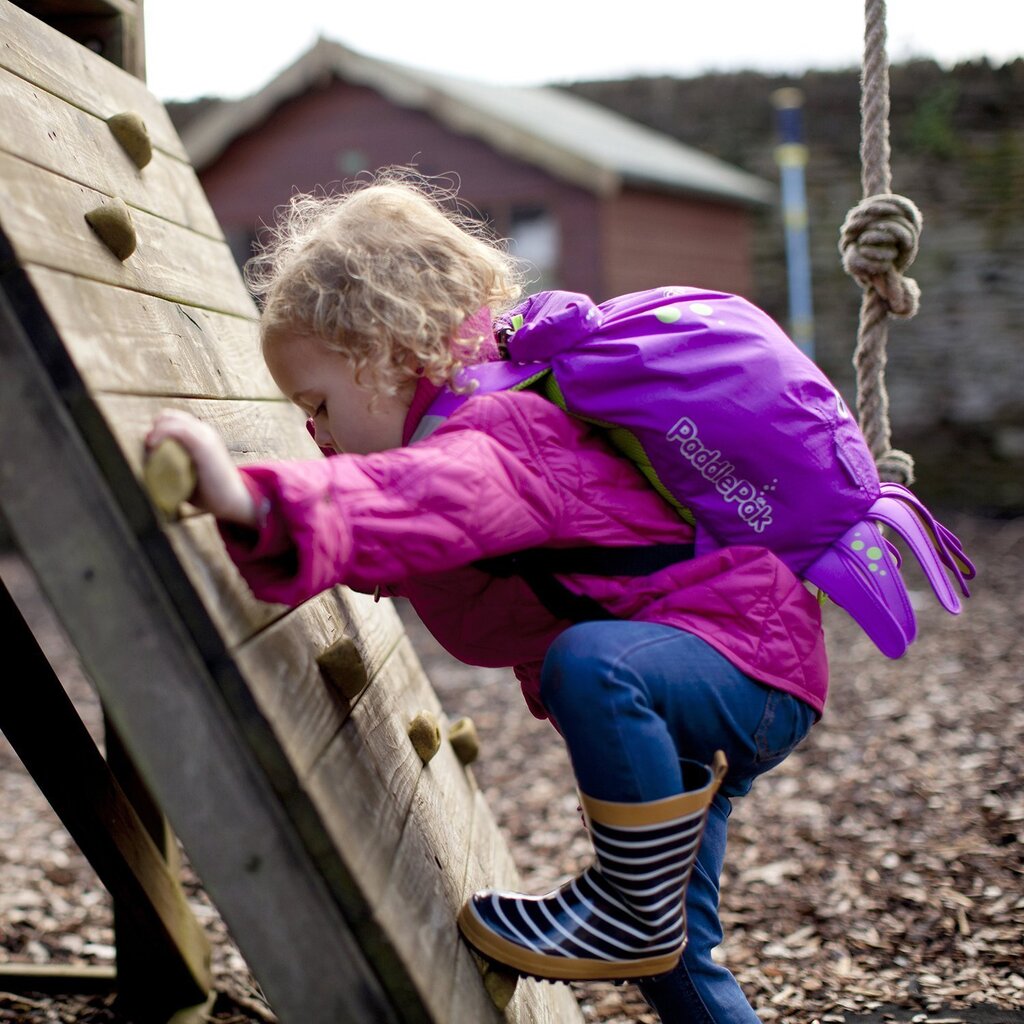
(956, 371)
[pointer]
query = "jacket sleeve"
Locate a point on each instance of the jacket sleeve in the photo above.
(466, 492)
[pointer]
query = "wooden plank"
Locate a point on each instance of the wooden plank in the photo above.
(491, 866)
(52, 134)
(486, 851)
(127, 342)
(59, 65)
(305, 711)
(200, 551)
(252, 430)
(44, 220)
(415, 912)
(408, 830)
(372, 758)
(443, 805)
(422, 899)
(194, 733)
(380, 823)
(441, 821)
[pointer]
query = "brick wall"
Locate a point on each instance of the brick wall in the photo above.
(650, 240)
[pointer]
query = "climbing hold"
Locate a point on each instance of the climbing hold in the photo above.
(169, 475)
(113, 223)
(130, 131)
(342, 666)
(425, 733)
(500, 983)
(462, 735)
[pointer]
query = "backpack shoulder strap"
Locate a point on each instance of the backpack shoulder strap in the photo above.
(540, 567)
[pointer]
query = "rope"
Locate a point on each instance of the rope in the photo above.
(878, 241)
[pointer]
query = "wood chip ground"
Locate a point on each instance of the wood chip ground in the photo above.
(877, 875)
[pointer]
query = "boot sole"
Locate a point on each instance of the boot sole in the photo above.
(557, 968)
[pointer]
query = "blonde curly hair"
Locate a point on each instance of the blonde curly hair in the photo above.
(385, 272)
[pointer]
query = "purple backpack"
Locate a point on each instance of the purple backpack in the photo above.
(739, 430)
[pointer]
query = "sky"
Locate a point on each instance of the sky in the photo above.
(221, 48)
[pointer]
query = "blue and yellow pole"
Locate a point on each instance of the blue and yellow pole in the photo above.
(791, 156)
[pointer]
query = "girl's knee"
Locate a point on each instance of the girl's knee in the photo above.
(579, 641)
(573, 662)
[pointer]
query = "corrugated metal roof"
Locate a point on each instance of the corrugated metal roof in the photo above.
(571, 138)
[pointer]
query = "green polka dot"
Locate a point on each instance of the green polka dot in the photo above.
(668, 314)
(857, 545)
(874, 553)
(873, 566)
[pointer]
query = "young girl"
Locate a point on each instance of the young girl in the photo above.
(372, 301)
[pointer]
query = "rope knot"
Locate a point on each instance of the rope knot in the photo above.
(878, 241)
(895, 466)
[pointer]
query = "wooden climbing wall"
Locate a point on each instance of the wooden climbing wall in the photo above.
(337, 859)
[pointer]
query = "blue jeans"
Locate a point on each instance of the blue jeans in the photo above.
(631, 699)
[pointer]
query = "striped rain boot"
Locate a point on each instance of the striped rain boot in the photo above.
(623, 917)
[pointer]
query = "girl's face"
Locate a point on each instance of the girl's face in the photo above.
(322, 384)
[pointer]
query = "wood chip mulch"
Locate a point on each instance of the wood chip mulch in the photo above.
(877, 875)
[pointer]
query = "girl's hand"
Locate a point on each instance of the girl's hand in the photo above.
(220, 488)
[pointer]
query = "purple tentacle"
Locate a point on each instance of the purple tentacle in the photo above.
(898, 501)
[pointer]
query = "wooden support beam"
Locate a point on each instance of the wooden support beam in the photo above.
(53, 979)
(62, 67)
(134, 949)
(171, 970)
(112, 28)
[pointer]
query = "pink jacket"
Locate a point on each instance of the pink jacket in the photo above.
(510, 471)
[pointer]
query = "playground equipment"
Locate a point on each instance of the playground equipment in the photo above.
(275, 742)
